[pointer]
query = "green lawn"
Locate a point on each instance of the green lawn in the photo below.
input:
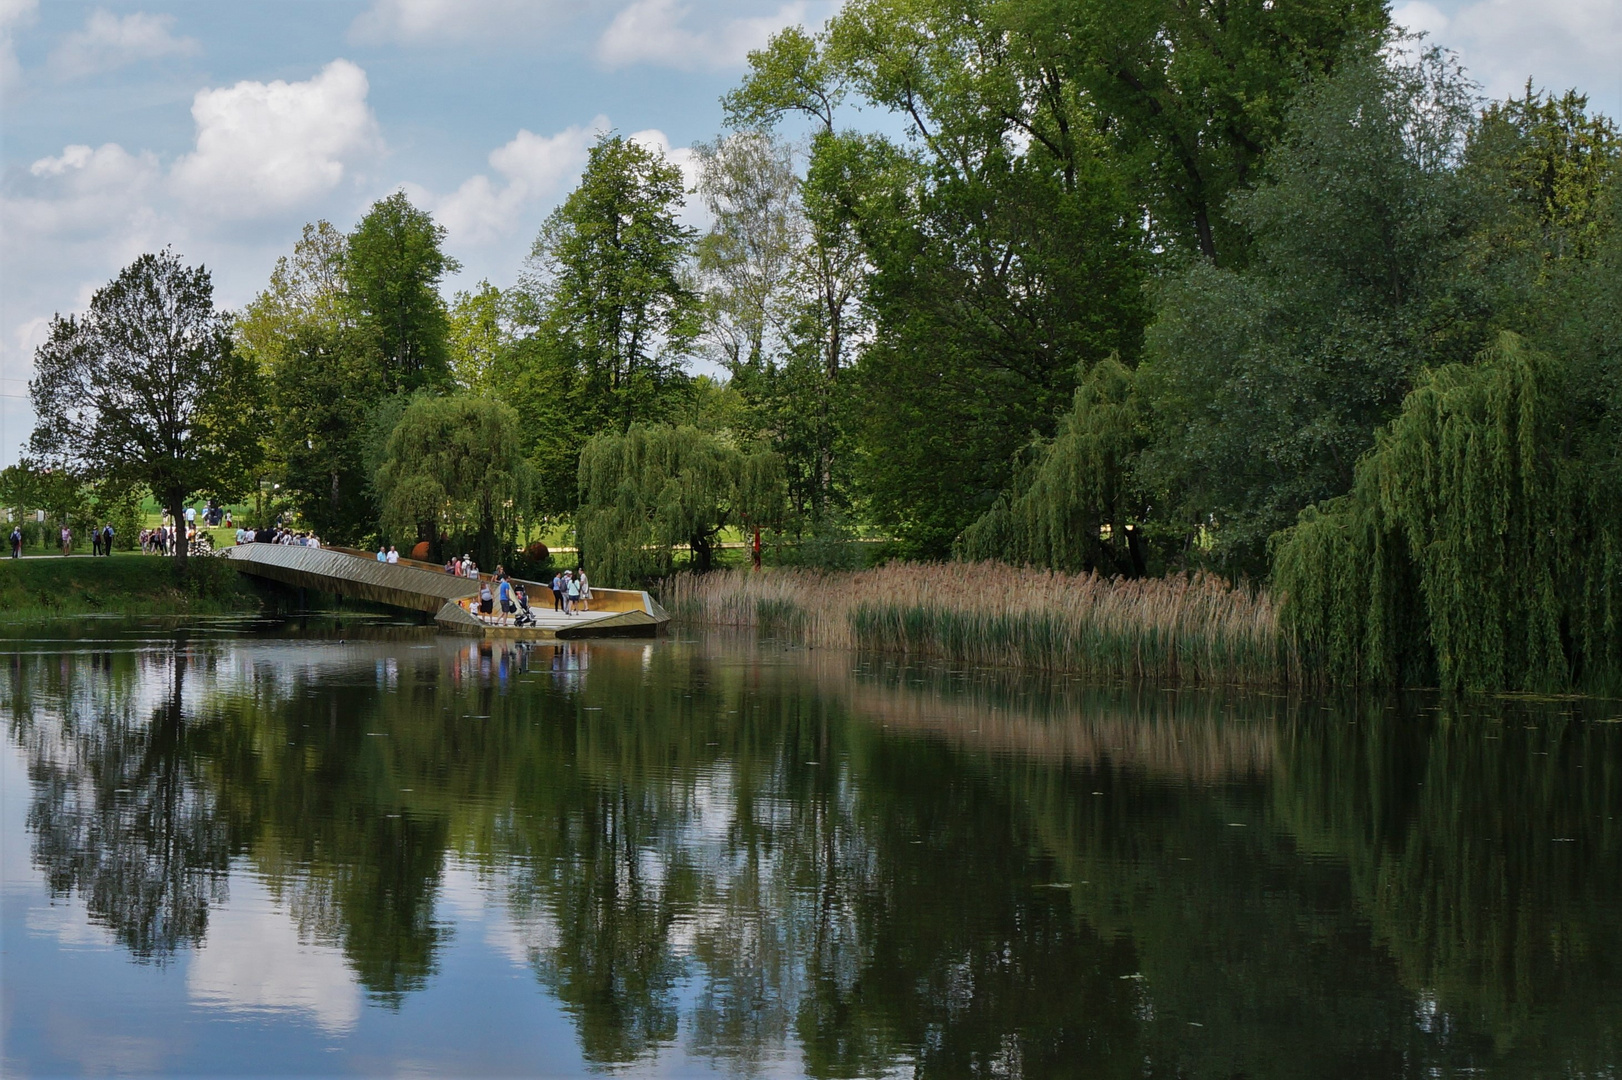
(124, 584)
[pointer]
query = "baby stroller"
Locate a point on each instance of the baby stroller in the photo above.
(525, 617)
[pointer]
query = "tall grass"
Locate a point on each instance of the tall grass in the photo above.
(1194, 629)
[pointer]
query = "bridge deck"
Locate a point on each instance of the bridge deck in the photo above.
(419, 587)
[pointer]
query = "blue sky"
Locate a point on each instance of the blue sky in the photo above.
(222, 127)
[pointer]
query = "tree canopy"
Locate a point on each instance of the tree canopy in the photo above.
(145, 388)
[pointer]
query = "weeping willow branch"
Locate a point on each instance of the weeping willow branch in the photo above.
(1477, 548)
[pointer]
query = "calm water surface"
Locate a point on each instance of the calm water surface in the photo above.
(320, 849)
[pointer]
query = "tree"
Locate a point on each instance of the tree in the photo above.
(1075, 506)
(654, 488)
(146, 388)
(455, 469)
(1265, 384)
(393, 268)
(1476, 547)
(746, 261)
(607, 276)
(479, 334)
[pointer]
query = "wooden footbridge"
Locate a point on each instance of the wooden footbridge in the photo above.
(451, 600)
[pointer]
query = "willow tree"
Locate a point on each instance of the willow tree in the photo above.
(656, 487)
(1074, 506)
(454, 473)
(1478, 545)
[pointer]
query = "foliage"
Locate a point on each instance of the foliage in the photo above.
(1474, 495)
(1265, 384)
(606, 277)
(653, 488)
(479, 334)
(1073, 507)
(323, 390)
(146, 388)
(454, 473)
(392, 270)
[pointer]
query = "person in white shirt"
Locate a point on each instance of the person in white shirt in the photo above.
(394, 556)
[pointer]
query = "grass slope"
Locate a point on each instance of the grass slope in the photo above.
(125, 584)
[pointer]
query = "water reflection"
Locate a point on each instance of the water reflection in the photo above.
(762, 855)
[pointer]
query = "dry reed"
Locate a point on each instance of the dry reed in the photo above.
(1193, 629)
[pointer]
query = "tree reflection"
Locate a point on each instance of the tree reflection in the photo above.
(876, 867)
(122, 813)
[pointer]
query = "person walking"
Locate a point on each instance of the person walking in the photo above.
(557, 591)
(67, 540)
(107, 535)
(571, 599)
(95, 542)
(505, 590)
(585, 590)
(16, 542)
(487, 600)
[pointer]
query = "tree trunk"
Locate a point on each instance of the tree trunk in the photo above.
(177, 516)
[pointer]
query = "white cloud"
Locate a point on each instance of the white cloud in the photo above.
(1558, 43)
(84, 191)
(108, 42)
(652, 32)
(253, 961)
(534, 167)
(1420, 18)
(431, 22)
(13, 14)
(263, 147)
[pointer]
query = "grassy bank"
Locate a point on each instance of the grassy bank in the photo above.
(1194, 629)
(120, 585)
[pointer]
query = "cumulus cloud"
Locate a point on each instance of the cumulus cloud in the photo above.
(654, 32)
(85, 191)
(532, 166)
(13, 15)
(1559, 44)
(265, 147)
(109, 42)
(430, 22)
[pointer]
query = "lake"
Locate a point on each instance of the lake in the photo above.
(324, 848)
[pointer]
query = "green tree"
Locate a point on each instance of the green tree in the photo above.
(1075, 506)
(654, 488)
(607, 278)
(1476, 547)
(454, 471)
(392, 270)
(145, 388)
(479, 334)
(1265, 384)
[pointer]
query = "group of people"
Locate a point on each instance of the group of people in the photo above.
(505, 601)
(571, 592)
(388, 554)
(162, 540)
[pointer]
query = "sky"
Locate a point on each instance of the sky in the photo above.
(221, 128)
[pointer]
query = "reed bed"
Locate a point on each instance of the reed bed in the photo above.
(1192, 629)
